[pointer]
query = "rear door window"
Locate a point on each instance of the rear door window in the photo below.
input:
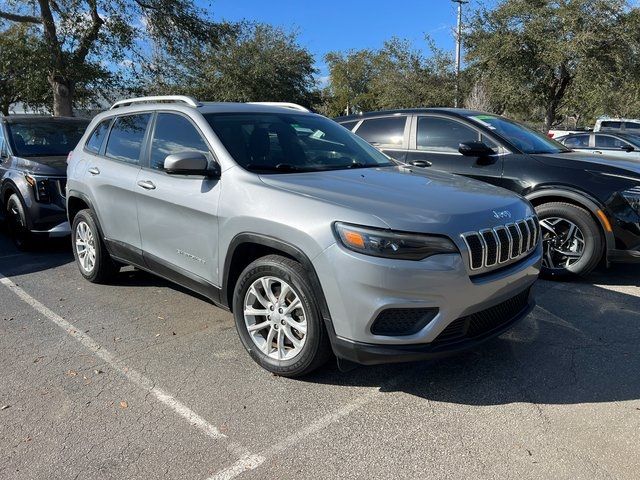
(607, 141)
(439, 134)
(387, 131)
(610, 124)
(577, 141)
(126, 138)
(94, 144)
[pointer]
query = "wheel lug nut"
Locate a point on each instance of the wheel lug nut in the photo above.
(271, 307)
(280, 310)
(282, 322)
(275, 326)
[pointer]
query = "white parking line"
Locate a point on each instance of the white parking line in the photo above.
(136, 377)
(245, 464)
(246, 460)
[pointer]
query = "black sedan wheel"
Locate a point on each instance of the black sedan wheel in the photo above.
(571, 239)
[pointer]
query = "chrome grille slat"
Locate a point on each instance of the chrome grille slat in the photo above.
(498, 245)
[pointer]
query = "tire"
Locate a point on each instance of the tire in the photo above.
(584, 248)
(85, 236)
(17, 223)
(280, 355)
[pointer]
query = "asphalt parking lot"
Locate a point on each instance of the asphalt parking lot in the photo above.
(141, 379)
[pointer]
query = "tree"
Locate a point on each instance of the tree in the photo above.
(406, 78)
(396, 76)
(22, 78)
(75, 31)
(532, 51)
(246, 63)
(351, 77)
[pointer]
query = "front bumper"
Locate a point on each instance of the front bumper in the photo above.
(63, 229)
(358, 288)
(372, 354)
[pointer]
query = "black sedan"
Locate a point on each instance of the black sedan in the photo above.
(588, 204)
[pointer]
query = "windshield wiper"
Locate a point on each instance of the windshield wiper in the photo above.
(281, 167)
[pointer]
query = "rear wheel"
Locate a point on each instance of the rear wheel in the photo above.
(93, 260)
(278, 318)
(17, 223)
(571, 239)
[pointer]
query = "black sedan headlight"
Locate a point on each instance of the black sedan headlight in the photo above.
(390, 244)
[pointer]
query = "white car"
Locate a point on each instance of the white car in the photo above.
(612, 144)
(621, 125)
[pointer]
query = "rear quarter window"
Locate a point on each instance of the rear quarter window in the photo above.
(97, 137)
(383, 131)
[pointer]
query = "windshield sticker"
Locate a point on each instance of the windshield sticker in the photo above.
(481, 119)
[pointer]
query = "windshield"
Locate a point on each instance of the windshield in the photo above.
(46, 138)
(523, 138)
(284, 143)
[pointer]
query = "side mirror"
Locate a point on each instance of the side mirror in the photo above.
(189, 163)
(627, 148)
(475, 149)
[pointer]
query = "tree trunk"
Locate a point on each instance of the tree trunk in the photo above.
(62, 96)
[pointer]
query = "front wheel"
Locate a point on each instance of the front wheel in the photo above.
(17, 224)
(278, 318)
(93, 260)
(571, 239)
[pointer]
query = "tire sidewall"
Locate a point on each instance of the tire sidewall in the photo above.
(592, 237)
(19, 234)
(87, 217)
(271, 267)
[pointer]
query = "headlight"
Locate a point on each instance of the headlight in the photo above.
(40, 186)
(632, 196)
(389, 244)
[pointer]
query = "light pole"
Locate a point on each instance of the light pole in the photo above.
(458, 47)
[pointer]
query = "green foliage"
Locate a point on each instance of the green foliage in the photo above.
(538, 57)
(89, 41)
(396, 76)
(22, 76)
(250, 62)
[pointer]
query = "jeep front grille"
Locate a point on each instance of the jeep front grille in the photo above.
(498, 245)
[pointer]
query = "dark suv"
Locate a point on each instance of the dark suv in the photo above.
(33, 154)
(588, 205)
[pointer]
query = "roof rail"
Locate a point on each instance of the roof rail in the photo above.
(192, 102)
(292, 106)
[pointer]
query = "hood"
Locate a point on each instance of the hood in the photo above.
(410, 199)
(587, 161)
(55, 166)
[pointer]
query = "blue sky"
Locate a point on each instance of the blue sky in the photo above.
(328, 25)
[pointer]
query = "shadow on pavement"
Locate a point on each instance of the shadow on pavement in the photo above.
(572, 349)
(47, 253)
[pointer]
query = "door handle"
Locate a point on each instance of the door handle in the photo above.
(146, 184)
(421, 163)
(598, 152)
(94, 171)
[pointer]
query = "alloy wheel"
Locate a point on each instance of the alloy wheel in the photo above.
(85, 247)
(275, 318)
(563, 242)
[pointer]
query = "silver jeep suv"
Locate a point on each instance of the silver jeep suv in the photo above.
(316, 241)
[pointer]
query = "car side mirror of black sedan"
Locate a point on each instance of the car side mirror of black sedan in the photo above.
(475, 149)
